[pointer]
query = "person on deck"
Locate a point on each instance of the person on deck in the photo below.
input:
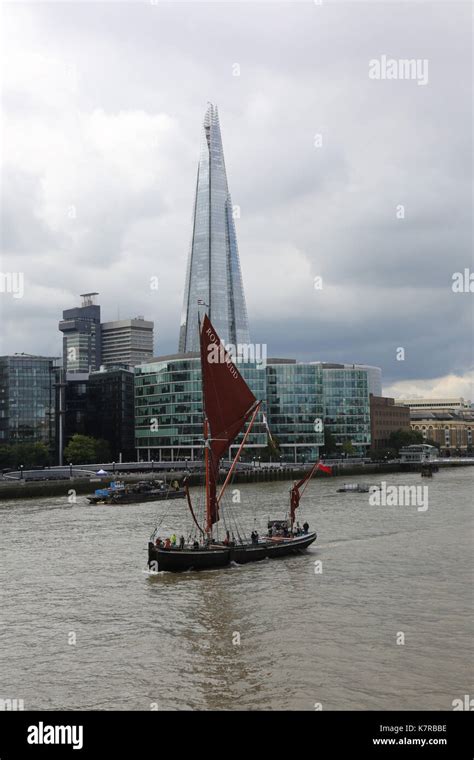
(173, 539)
(195, 544)
(305, 527)
(167, 544)
(226, 541)
(181, 542)
(158, 542)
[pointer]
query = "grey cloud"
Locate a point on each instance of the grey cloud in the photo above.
(304, 69)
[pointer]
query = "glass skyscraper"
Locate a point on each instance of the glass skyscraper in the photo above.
(213, 277)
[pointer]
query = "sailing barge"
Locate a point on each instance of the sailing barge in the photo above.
(229, 405)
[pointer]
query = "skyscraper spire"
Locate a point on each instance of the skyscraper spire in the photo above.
(213, 277)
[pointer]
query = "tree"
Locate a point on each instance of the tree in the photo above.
(27, 454)
(348, 448)
(81, 449)
(400, 438)
(84, 449)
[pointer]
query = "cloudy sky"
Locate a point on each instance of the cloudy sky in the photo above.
(102, 110)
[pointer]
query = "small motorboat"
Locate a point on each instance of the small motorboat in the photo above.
(357, 488)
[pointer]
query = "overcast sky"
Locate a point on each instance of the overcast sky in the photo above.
(103, 105)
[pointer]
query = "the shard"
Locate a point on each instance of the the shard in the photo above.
(213, 277)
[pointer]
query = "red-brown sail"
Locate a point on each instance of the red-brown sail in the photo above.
(228, 402)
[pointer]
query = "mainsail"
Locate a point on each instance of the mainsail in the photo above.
(228, 403)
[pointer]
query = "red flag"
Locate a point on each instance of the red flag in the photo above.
(324, 468)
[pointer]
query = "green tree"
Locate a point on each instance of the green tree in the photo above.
(400, 438)
(84, 449)
(348, 448)
(29, 455)
(81, 449)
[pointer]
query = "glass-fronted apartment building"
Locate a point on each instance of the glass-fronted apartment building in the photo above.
(299, 399)
(168, 408)
(295, 408)
(347, 405)
(27, 399)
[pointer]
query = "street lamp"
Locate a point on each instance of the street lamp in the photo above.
(70, 469)
(21, 472)
(152, 465)
(113, 467)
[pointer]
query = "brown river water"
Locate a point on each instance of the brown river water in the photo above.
(85, 626)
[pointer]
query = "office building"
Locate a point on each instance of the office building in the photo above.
(386, 417)
(448, 404)
(347, 406)
(127, 342)
(27, 399)
(110, 410)
(80, 327)
(169, 412)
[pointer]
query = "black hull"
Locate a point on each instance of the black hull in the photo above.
(178, 560)
(138, 498)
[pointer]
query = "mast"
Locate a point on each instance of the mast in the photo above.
(208, 480)
(295, 494)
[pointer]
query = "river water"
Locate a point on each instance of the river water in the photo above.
(85, 626)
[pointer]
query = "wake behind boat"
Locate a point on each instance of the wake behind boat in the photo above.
(229, 405)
